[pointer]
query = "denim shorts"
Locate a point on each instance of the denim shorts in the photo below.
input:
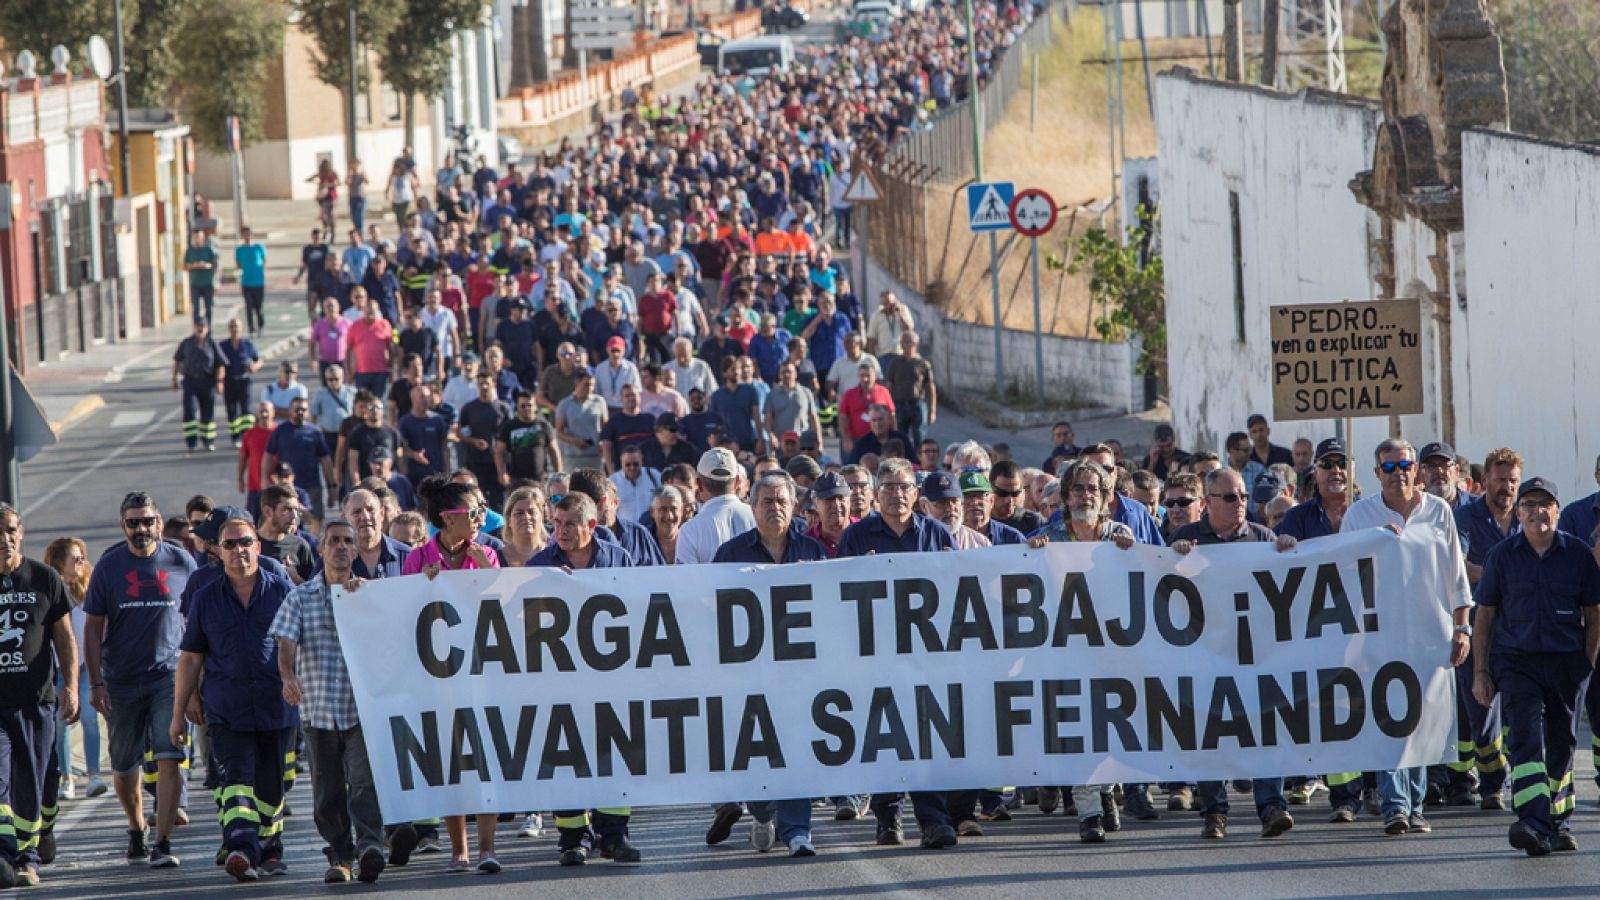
(141, 716)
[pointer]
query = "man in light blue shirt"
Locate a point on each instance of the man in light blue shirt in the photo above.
(251, 258)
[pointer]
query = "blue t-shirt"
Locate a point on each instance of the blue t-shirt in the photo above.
(303, 448)
(238, 359)
(138, 598)
(426, 433)
(734, 408)
(356, 260)
(827, 341)
(252, 261)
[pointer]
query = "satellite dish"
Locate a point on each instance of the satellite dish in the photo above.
(99, 57)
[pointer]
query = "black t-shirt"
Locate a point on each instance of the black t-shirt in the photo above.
(658, 457)
(424, 343)
(1026, 521)
(400, 397)
(32, 598)
(517, 339)
(624, 431)
(291, 550)
(364, 439)
(481, 420)
(314, 257)
(527, 447)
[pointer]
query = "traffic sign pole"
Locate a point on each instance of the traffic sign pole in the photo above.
(994, 288)
(1038, 322)
(1033, 214)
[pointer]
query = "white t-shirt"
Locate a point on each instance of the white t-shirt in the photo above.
(717, 522)
(1372, 512)
(697, 374)
(633, 497)
(443, 326)
(847, 371)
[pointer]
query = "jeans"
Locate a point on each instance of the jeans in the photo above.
(141, 715)
(358, 213)
(928, 807)
(794, 816)
(90, 721)
(255, 315)
(342, 793)
(376, 382)
(1403, 790)
(203, 299)
(912, 418)
(842, 225)
(1213, 796)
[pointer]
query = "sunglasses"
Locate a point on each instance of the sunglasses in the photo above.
(1327, 464)
(238, 542)
(141, 521)
(1181, 502)
(476, 512)
(1009, 495)
(1229, 497)
(1389, 468)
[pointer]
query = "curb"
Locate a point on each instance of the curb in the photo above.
(84, 408)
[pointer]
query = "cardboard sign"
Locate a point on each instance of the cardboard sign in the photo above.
(1347, 360)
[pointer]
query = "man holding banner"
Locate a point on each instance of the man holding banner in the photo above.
(1401, 506)
(575, 548)
(771, 543)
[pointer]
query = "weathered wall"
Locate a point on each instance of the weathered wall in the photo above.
(1526, 334)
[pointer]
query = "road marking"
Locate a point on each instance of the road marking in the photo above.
(100, 463)
(132, 418)
(285, 317)
(81, 811)
(83, 409)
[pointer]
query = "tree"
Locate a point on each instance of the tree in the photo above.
(1126, 279)
(147, 26)
(327, 22)
(239, 38)
(147, 43)
(416, 54)
(1552, 69)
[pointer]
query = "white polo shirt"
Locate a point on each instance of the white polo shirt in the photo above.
(717, 522)
(1372, 512)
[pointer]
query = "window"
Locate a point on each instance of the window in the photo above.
(1238, 265)
(392, 111)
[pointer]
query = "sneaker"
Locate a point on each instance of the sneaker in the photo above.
(801, 846)
(138, 849)
(1563, 842)
(429, 845)
(182, 818)
(1110, 816)
(222, 855)
(211, 447)
(1495, 801)
(1275, 822)
(722, 824)
(969, 828)
(1434, 795)
(458, 865)
(1418, 824)
(763, 835)
(1180, 800)
(939, 837)
(238, 866)
(1341, 815)
(1396, 823)
(621, 850)
(370, 866)
(532, 826)
(1371, 803)
(891, 834)
(845, 812)
(575, 856)
(1529, 841)
(1049, 800)
(273, 867)
(401, 844)
(1090, 831)
(161, 856)
(28, 876)
(1461, 796)
(488, 865)
(1139, 806)
(1215, 827)
(47, 846)
(97, 787)
(1012, 798)
(337, 873)
(998, 814)
(1297, 796)
(68, 791)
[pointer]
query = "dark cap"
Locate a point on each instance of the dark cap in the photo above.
(1538, 485)
(211, 528)
(1437, 448)
(1330, 447)
(380, 454)
(828, 485)
(1255, 419)
(283, 468)
(1267, 486)
(667, 422)
(802, 466)
(940, 486)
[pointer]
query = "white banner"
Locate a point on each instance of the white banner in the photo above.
(1077, 664)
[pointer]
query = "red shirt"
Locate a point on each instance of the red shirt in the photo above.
(657, 312)
(253, 447)
(855, 406)
(742, 331)
(479, 286)
(369, 344)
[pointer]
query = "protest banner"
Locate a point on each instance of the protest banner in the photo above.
(1347, 360)
(524, 689)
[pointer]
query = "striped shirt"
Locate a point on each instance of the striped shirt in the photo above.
(306, 618)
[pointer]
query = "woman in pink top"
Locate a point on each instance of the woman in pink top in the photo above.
(330, 336)
(457, 512)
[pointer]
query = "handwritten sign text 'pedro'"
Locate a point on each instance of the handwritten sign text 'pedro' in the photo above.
(1346, 360)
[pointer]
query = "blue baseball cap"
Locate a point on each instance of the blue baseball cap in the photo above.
(940, 486)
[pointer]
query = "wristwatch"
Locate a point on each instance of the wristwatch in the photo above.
(1464, 629)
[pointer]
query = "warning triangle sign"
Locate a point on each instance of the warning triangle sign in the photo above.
(989, 209)
(863, 189)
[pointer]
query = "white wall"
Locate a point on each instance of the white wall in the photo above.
(277, 170)
(1527, 334)
(1290, 158)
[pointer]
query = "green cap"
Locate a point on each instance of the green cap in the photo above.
(975, 483)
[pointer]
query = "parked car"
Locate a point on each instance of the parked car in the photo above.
(783, 17)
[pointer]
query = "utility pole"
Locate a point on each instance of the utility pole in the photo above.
(122, 108)
(355, 86)
(10, 478)
(975, 103)
(1268, 76)
(1232, 42)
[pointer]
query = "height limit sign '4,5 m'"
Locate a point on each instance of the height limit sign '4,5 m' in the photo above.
(1033, 213)
(1347, 360)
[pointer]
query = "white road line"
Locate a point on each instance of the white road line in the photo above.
(81, 811)
(132, 418)
(100, 463)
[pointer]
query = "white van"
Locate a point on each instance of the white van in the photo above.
(757, 56)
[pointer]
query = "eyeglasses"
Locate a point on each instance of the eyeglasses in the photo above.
(1536, 503)
(859, 485)
(1229, 497)
(1389, 468)
(141, 521)
(238, 542)
(1181, 502)
(1326, 464)
(897, 487)
(475, 512)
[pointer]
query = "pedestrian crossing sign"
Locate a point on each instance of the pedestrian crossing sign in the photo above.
(989, 205)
